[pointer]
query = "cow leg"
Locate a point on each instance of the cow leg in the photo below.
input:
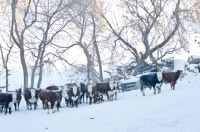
(1, 108)
(83, 98)
(72, 103)
(86, 98)
(35, 105)
(80, 99)
(6, 108)
(67, 102)
(27, 105)
(30, 106)
(173, 85)
(76, 103)
(15, 106)
(48, 104)
(10, 110)
(54, 106)
(116, 95)
(142, 90)
(18, 106)
(90, 100)
(159, 90)
(154, 90)
(108, 98)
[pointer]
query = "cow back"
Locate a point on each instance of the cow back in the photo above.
(5, 98)
(149, 80)
(171, 76)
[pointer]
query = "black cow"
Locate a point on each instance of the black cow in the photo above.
(5, 100)
(151, 80)
(92, 94)
(82, 91)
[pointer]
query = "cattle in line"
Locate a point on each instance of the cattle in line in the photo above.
(171, 77)
(43, 95)
(52, 100)
(72, 94)
(31, 97)
(17, 98)
(151, 80)
(61, 88)
(6, 100)
(106, 88)
(81, 86)
(82, 91)
(92, 94)
(116, 88)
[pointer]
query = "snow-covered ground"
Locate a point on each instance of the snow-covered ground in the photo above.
(169, 111)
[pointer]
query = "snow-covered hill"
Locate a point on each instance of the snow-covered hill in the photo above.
(170, 111)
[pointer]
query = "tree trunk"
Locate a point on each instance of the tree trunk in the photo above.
(24, 66)
(41, 68)
(97, 49)
(35, 67)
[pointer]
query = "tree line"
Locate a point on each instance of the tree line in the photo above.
(38, 34)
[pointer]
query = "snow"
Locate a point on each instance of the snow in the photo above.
(172, 111)
(179, 65)
(130, 79)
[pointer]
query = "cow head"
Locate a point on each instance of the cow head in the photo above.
(159, 76)
(33, 93)
(65, 94)
(14, 96)
(111, 84)
(90, 91)
(65, 87)
(74, 88)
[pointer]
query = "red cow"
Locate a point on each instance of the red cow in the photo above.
(106, 88)
(171, 77)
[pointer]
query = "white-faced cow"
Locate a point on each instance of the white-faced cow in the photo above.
(106, 88)
(171, 77)
(91, 93)
(43, 96)
(72, 94)
(16, 98)
(59, 88)
(5, 100)
(151, 80)
(31, 97)
(52, 100)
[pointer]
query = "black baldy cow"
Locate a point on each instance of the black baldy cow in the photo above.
(151, 80)
(31, 97)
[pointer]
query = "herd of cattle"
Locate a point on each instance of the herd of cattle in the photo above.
(74, 93)
(51, 97)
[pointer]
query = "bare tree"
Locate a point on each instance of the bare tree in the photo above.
(5, 58)
(142, 21)
(18, 30)
(54, 19)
